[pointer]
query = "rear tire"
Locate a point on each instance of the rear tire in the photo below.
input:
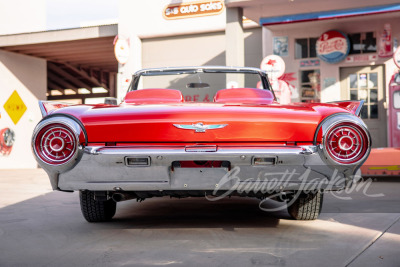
(94, 210)
(306, 206)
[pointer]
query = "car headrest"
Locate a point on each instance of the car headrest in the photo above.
(244, 96)
(154, 96)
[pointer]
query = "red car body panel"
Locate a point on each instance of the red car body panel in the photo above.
(246, 123)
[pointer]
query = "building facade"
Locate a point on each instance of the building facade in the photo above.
(363, 69)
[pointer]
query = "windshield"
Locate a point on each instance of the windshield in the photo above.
(198, 86)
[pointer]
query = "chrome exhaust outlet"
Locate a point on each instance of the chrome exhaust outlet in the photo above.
(118, 197)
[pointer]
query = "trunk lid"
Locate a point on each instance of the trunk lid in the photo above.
(169, 123)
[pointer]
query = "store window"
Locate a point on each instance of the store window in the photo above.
(310, 86)
(364, 86)
(362, 43)
(396, 99)
(305, 48)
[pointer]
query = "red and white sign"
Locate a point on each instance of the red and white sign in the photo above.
(396, 57)
(385, 42)
(333, 46)
(361, 58)
(121, 50)
(274, 66)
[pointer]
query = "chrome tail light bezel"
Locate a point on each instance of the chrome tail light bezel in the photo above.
(357, 127)
(47, 139)
(346, 143)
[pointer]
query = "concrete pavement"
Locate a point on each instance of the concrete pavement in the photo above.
(39, 227)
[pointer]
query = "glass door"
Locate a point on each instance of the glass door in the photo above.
(366, 83)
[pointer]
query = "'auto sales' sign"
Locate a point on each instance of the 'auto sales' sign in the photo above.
(193, 9)
(333, 46)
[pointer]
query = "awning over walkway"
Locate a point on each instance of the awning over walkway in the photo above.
(78, 60)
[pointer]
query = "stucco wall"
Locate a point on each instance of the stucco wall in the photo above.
(27, 76)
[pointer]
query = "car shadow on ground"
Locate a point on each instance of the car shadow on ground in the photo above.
(227, 213)
(55, 208)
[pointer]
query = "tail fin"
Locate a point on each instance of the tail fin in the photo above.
(46, 107)
(352, 106)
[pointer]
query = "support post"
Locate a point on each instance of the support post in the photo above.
(234, 43)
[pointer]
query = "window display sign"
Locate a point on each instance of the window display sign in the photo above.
(385, 42)
(363, 80)
(193, 9)
(310, 63)
(361, 58)
(396, 57)
(333, 46)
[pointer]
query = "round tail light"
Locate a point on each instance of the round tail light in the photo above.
(346, 143)
(55, 144)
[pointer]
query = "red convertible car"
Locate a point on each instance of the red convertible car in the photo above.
(180, 132)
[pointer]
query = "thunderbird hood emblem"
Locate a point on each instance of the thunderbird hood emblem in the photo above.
(200, 127)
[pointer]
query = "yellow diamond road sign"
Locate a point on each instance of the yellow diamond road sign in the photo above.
(15, 107)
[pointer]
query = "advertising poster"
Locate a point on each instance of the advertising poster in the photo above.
(281, 46)
(385, 42)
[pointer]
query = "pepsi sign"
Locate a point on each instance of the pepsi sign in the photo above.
(333, 46)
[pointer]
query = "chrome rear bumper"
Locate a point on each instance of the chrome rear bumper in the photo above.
(107, 169)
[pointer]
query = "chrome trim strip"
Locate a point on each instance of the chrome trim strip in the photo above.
(42, 109)
(200, 69)
(358, 110)
(180, 150)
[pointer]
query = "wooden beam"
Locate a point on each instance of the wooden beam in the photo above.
(103, 66)
(77, 96)
(84, 74)
(53, 86)
(79, 84)
(99, 66)
(63, 83)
